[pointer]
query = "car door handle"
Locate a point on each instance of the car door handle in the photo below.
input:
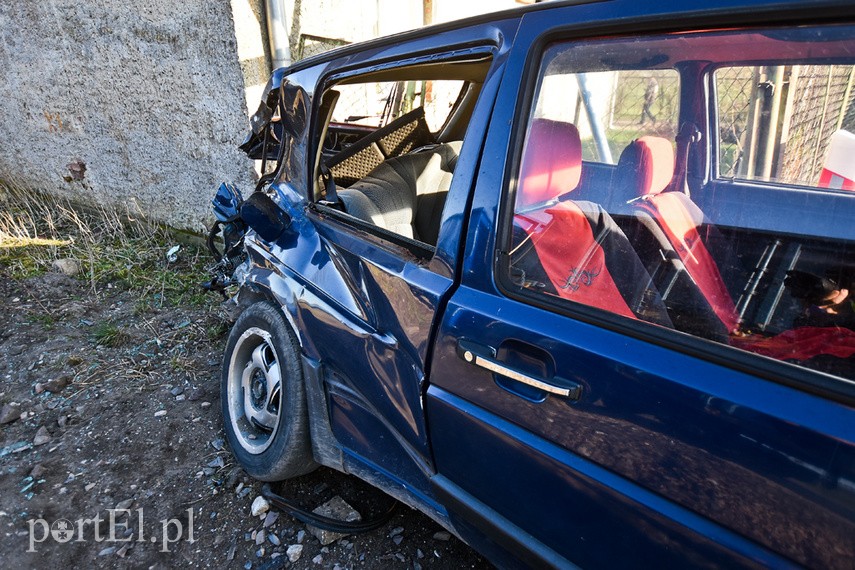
(484, 357)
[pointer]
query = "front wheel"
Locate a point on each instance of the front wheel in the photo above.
(263, 397)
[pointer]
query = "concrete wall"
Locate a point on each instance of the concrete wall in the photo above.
(141, 103)
(147, 95)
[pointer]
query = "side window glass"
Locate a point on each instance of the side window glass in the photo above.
(612, 108)
(387, 160)
(631, 240)
(377, 104)
(788, 124)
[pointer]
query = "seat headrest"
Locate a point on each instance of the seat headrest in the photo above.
(552, 162)
(648, 162)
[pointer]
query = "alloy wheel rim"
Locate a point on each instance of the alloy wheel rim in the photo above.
(254, 390)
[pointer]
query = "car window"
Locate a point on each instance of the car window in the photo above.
(375, 104)
(612, 108)
(391, 145)
(789, 124)
(738, 265)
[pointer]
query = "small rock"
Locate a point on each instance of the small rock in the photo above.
(10, 413)
(57, 384)
(123, 550)
(274, 540)
(396, 531)
(419, 553)
(196, 394)
(294, 552)
(42, 436)
(259, 537)
(259, 553)
(160, 413)
(260, 506)
(37, 471)
(270, 519)
(177, 391)
(397, 539)
(335, 508)
(218, 443)
(301, 536)
(62, 421)
(123, 505)
(318, 559)
(179, 398)
(248, 565)
(234, 475)
(107, 551)
(205, 405)
(442, 535)
(217, 462)
(66, 266)
(232, 549)
(89, 486)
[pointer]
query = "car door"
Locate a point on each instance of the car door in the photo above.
(574, 418)
(372, 293)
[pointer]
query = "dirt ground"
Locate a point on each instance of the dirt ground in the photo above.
(118, 408)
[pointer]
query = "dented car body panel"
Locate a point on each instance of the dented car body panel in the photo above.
(643, 446)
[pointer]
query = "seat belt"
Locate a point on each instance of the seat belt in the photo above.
(688, 134)
(331, 198)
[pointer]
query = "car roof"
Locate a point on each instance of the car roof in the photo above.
(684, 7)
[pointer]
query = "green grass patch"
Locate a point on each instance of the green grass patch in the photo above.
(108, 334)
(112, 249)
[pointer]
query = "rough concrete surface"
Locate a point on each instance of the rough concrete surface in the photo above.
(137, 103)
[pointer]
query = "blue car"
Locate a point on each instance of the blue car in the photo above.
(575, 280)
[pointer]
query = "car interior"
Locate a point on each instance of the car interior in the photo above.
(388, 159)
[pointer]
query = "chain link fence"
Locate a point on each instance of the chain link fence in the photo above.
(775, 123)
(645, 103)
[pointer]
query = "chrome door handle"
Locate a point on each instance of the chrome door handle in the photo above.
(484, 357)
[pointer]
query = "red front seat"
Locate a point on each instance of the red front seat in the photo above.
(573, 249)
(643, 177)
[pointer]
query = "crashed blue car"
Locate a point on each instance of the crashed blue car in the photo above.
(575, 280)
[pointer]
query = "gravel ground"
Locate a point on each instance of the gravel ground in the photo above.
(110, 402)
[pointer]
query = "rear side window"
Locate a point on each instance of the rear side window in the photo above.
(788, 124)
(741, 264)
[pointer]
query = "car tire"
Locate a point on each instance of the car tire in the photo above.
(263, 396)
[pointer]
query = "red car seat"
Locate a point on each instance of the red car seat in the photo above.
(571, 249)
(671, 220)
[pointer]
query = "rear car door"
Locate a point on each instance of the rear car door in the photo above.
(580, 411)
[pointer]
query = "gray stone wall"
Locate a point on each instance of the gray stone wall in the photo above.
(138, 103)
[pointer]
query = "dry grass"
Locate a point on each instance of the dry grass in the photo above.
(111, 248)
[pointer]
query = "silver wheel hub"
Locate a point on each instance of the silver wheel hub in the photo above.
(254, 390)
